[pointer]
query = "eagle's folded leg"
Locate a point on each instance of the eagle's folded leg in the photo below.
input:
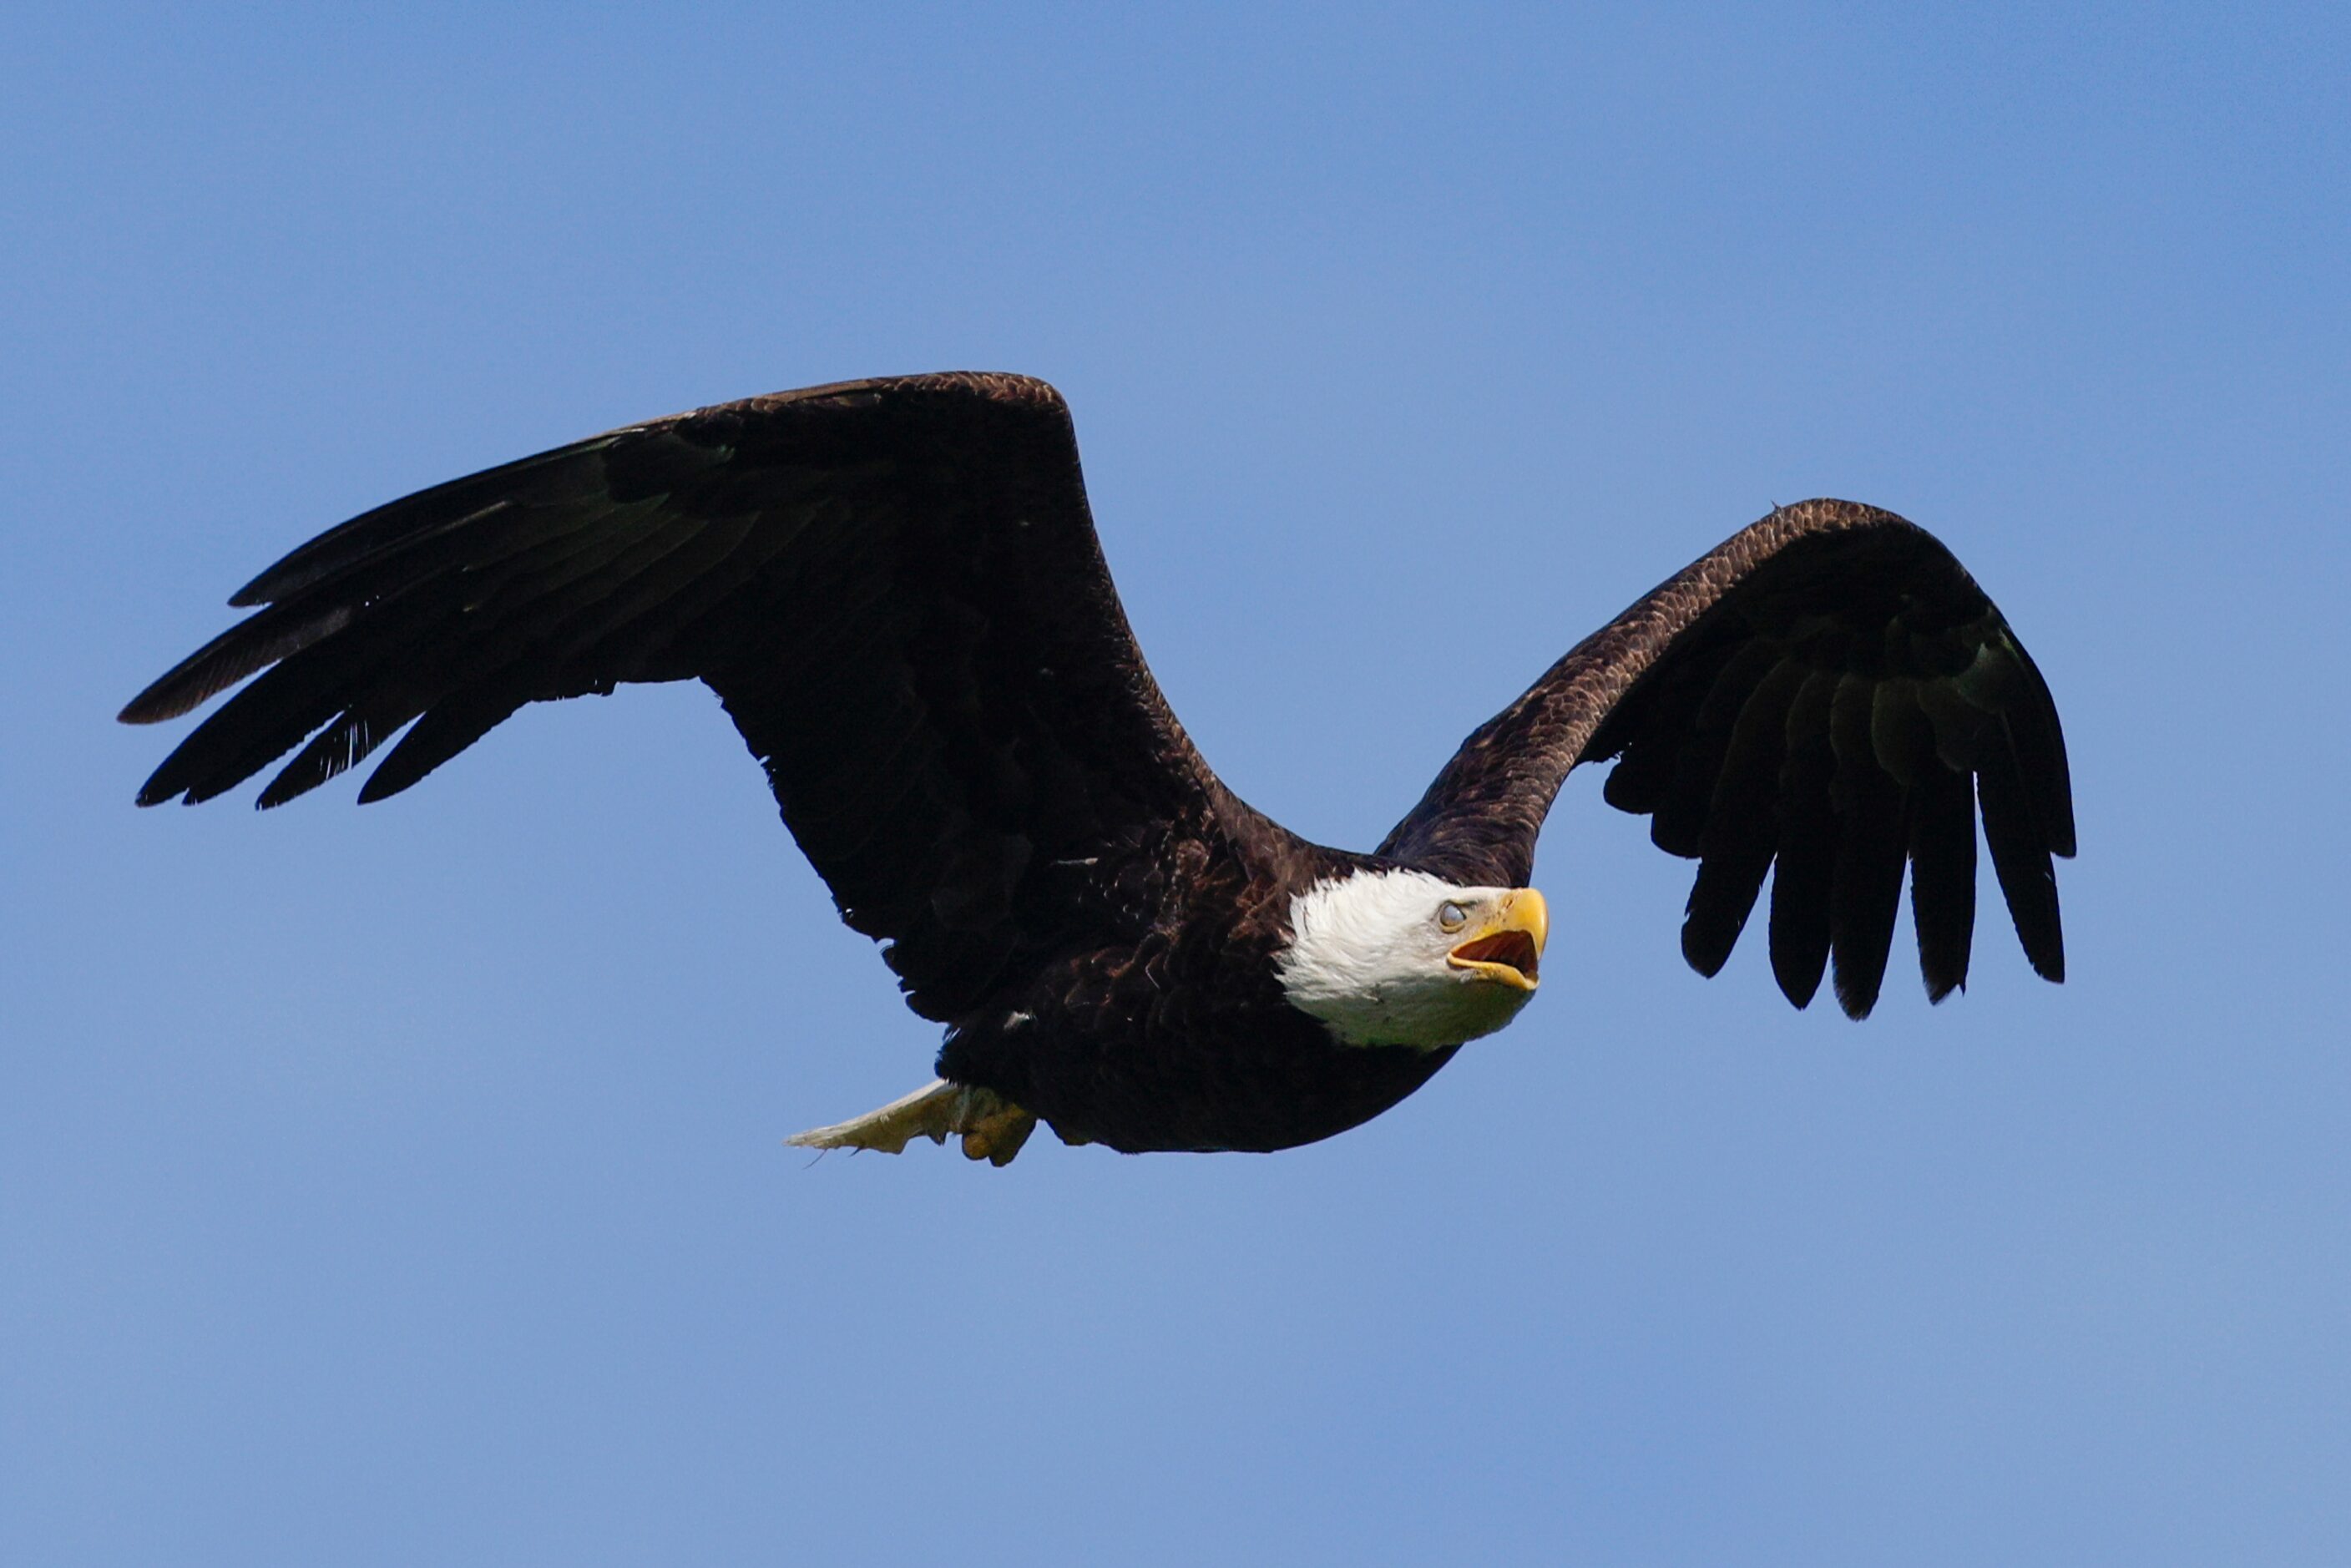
(993, 1129)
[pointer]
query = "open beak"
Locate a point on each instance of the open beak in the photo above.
(1508, 947)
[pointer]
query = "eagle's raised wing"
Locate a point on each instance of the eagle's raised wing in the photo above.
(893, 586)
(1827, 688)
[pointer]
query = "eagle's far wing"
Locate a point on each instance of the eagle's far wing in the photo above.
(893, 586)
(1827, 688)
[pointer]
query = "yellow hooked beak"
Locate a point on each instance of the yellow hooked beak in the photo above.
(1507, 947)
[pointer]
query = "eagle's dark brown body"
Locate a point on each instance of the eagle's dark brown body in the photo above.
(1180, 1038)
(895, 589)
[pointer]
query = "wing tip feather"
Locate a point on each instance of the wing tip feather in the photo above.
(1856, 995)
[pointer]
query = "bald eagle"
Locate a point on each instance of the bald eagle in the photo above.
(895, 590)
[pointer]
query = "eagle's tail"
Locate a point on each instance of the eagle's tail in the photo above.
(992, 1127)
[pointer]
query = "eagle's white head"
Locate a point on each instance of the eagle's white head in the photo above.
(1402, 958)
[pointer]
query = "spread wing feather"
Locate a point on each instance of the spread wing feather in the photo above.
(1828, 692)
(893, 586)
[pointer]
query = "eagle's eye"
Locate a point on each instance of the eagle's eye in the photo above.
(1451, 916)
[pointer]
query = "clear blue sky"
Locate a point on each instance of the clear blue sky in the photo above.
(406, 1184)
